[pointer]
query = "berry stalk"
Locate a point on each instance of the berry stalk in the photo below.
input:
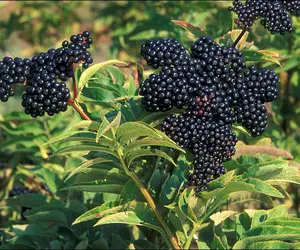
(76, 107)
(239, 38)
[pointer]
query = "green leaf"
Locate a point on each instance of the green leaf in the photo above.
(131, 130)
(105, 126)
(81, 135)
(230, 188)
(88, 73)
(104, 172)
(245, 243)
(54, 216)
(256, 56)
(143, 218)
(130, 192)
(86, 164)
(148, 152)
(284, 221)
(84, 148)
(88, 125)
(270, 230)
(113, 207)
(274, 172)
(243, 223)
(97, 212)
(96, 187)
(217, 243)
(255, 170)
(194, 32)
(185, 202)
(219, 217)
(241, 129)
(271, 244)
(82, 245)
(27, 200)
(265, 188)
(150, 142)
(278, 211)
(116, 75)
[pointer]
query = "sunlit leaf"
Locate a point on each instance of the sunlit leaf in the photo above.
(88, 73)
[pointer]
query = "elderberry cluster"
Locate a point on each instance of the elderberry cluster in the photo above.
(20, 190)
(274, 14)
(45, 75)
(292, 6)
(215, 90)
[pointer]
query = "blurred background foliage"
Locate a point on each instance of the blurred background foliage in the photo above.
(118, 29)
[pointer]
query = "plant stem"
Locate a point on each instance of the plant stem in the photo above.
(151, 203)
(188, 242)
(75, 94)
(239, 37)
(78, 109)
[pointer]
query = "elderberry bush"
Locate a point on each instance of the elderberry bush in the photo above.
(274, 14)
(215, 90)
(45, 75)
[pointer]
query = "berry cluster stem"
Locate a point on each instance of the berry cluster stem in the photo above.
(172, 239)
(78, 109)
(239, 37)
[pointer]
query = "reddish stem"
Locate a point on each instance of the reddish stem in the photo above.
(74, 85)
(78, 109)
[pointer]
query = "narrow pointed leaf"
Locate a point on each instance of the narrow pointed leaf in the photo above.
(84, 148)
(132, 218)
(245, 243)
(272, 244)
(88, 73)
(112, 207)
(96, 212)
(148, 152)
(86, 164)
(90, 136)
(96, 187)
(89, 125)
(105, 126)
(265, 188)
(130, 130)
(150, 142)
